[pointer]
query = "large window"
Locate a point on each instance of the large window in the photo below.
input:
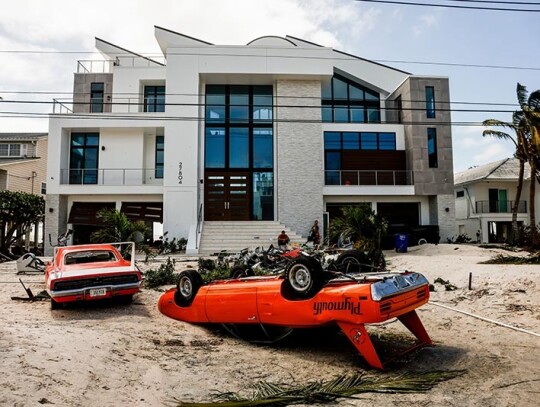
(154, 98)
(430, 102)
(96, 97)
(83, 158)
(160, 150)
(344, 101)
(239, 138)
(432, 147)
(13, 150)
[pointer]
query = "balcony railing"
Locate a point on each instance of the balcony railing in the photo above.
(499, 206)
(111, 176)
(363, 177)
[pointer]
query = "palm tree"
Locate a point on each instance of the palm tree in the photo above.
(519, 126)
(118, 228)
(530, 108)
(364, 227)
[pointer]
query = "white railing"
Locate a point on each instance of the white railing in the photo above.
(62, 107)
(110, 176)
(95, 66)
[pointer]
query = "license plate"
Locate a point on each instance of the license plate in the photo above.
(98, 292)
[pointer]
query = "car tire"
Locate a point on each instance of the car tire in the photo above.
(303, 279)
(55, 305)
(188, 284)
(353, 261)
(241, 271)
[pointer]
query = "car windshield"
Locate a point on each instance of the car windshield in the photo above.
(89, 256)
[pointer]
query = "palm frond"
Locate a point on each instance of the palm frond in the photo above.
(269, 394)
(522, 94)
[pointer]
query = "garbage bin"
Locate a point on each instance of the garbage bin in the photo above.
(401, 242)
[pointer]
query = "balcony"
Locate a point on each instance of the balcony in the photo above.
(499, 206)
(111, 176)
(368, 177)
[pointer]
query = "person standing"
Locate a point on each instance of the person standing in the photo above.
(314, 234)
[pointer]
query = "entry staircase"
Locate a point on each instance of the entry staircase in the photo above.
(237, 235)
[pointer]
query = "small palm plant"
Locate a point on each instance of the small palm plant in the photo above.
(118, 228)
(365, 228)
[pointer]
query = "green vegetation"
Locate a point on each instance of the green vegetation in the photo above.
(448, 286)
(319, 392)
(164, 275)
(18, 212)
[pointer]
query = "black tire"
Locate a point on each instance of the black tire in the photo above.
(241, 271)
(188, 284)
(353, 261)
(55, 305)
(303, 279)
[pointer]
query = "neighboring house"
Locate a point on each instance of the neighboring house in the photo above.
(278, 130)
(485, 196)
(23, 162)
(23, 168)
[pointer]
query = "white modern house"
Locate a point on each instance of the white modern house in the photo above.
(485, 196)
(222, 140)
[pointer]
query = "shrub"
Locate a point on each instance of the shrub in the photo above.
(164, 275)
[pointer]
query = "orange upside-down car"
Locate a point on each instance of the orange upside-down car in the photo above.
(303, 297)
(91, 272)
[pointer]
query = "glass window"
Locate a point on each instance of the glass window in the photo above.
(374, 115)
(341, 114)
(332, 141)
(160, 159)
(263, 196)
(262, 103)
(154, 98)
(215, 148)
(432, 147)
(15, 150)
(430, 102)
(369, 141)
(355, 93)
(357, 115)
(44, 188)
(326, 90)
(262, 148)
(460, 194)
(239, 147)
(340, 89)
(4, 150)
(387, 141)
(239, 103)
(96, 97)
(333, 160)
(84, 158)
(350, 141)
(327, 114)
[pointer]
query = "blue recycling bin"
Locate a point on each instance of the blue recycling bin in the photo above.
(401, 242)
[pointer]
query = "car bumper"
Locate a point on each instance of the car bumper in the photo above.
(84, 294)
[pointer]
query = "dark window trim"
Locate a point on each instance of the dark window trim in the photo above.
(96, 97)
(460, 194)
(73, 171)
(155, 105)
(159, 166)
(433, 160)
(430, 102)
(349, 103)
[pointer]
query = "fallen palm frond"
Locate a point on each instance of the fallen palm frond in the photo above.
(502, 259)
(268, 394)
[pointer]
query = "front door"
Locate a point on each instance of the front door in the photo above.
(227, 195)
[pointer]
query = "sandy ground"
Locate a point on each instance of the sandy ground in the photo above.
(115, 355)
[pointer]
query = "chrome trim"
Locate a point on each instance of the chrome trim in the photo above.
(397, 284)
(82, 291)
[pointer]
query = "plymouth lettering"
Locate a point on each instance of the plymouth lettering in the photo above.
(345, 305)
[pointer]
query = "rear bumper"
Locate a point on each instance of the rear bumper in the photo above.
(83, 294)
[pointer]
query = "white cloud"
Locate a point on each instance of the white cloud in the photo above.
(426, 22)
(491, 153)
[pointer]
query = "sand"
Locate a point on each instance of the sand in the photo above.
(114, 354)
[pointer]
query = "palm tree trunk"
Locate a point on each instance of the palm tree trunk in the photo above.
(515, 208)
(532, 215)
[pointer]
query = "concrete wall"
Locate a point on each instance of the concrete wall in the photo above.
(55, 220)
(299, 154)
(82, 87)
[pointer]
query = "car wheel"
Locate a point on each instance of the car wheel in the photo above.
(303, 278)
(55, 305)
(241, 271)
(188, 284)
(353, 261)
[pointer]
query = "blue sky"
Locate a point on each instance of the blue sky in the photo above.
(370, 30)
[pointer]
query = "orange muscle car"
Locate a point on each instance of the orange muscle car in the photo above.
(91, 272)
(305, 296)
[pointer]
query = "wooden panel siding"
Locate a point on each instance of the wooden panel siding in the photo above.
(373, 160)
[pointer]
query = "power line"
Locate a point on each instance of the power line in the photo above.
(526, 3)
(404, 3)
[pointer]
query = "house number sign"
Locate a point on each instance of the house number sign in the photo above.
(180, 176)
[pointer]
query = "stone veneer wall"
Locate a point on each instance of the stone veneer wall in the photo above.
(55, 221)
(81, 91)
(440, 216)
(299, 166)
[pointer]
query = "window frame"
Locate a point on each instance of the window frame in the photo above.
(151, 92)
(433, 158)
(159, 165)
(430, 102)
(97, 97)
